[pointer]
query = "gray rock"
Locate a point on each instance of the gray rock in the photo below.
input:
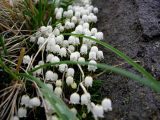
(149, 16)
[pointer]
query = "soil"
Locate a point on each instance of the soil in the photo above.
(125, 28)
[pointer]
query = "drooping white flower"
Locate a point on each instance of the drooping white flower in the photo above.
(74, 98)
(100, 55)
(40, 41)
(50, 86)
(74, 111)
(79, 29)
(73, 57)
(49, 75)
(93, 31)
(68, 25)
(87, 32)
(56, 49)
(35, 102)
(58, 83)
(94, 49)
(94, 18)
(32, 39)
(85, 18)
(49, 57)
(69, 80)
(99, 35)
(77, 14)
(54, 117)
(107, 104)
(41, 62)
(81, 59)
(71, 48)
(95, 10)
(49, 28)
(25, 100)
(63, 52)
(98, 111)
(71, 40)
(88, 81)
(43, 29)
(22, 112)
(63, 68)
(65, 43)
(92, 65)
(84, 49)
(70, 13)
(59, 15)
(74, 19)
(56, 32)
(70, 72)
(85, 99)
(59, 39)
(55, 59)
(92, 56)
(14, 118)
(58, 91)
(26, 59)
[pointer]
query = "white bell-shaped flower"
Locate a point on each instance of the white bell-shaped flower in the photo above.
(77, 14)
(98, 111)
(35, 102)
(58, 91)
(56, 32)
(32, 39)
(74, 111)
(40, 41)
(107, 104)
(79, 29)
(69, 80)
(73, 57)
(63, 52)
(58, 83)
(25, 100)
(84, 49)
(14, 118)
(88, 81)
(59, 39)
(71, 48)
(26, 59)
(55, 59)
(63, 68)
(54, 117)
(56, 49)
(49, 57)
(65, 43)
(93, 31)
(92, 65)
(59, 15)
(100, 55)
(92, 56)
(71, 40)
(70, 72)
(75, 98)
(74, 19)
(22, 112)
(99, 35)
(94, 49)
(50, 86)
(86, 25)
(49, 75)
(85, 99)
(95, 10)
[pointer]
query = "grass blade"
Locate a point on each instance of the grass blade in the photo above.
(120, 54)
(150, 83)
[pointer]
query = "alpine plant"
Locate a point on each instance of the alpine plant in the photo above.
(72, 83)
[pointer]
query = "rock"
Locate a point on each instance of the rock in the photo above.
(149, 17)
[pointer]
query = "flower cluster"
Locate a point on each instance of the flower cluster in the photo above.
(56, 47)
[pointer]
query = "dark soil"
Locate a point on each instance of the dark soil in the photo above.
(131, 26)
